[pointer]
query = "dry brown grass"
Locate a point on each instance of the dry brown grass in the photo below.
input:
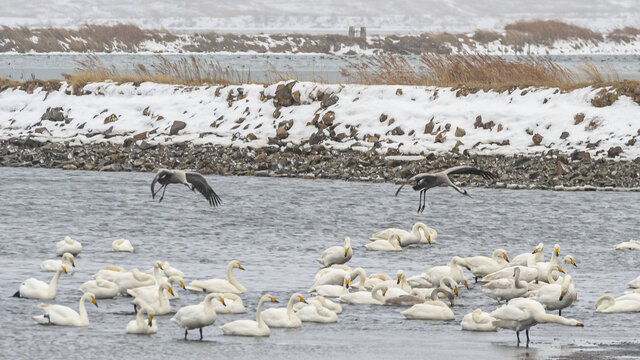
(547, 31)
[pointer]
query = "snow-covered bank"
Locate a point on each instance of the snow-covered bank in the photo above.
(396, 119)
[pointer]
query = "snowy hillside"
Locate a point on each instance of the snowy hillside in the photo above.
(406, 119)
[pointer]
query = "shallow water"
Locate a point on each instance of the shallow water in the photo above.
(260, 67)
(277, 227)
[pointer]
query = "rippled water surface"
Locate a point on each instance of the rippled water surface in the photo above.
(277, 227)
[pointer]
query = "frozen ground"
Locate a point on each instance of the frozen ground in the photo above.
(408, 118)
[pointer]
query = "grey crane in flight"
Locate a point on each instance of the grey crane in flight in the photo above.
(426, 181)
(192, 180)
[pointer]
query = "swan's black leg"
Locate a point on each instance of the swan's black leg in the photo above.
(560, 312)
(200, 333)
(162, 197)
(476, 279)
(518, 336)
(527, 332)
(185, 334)
(135, 309)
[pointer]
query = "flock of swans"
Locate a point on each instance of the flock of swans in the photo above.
(529, 286)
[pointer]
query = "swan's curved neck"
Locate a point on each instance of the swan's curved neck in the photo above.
(156, 274)
(363, 277)
(475, 315)
(550, 278)
(232, 279)
(516, 282)
(138, 275)
(290, 311)
(54, 282)
(447, 283)
(259, 314)
(554, 258)
(162, 297)
(611, 300)
(82, 310)
(376, 294)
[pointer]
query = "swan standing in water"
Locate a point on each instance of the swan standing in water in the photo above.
(552, 264)
(229, 285)
(232, 304)
(197, 316)
(160, 305)
(101, 288)
(284, 317)
(392, 244)
(122, 245)
(522, 259)
(250, 327)
(140, 326)
(522, 314)
(431, 310)
(628, 245)
(337, 254)
(483, 265)
(420, 234)
(317, 313)
(65, 316)
(478, 320)
(326, 303)
(557, 296)
(68, 245)
(53, 265)
(506, 289)
(38, 289)
(608, 304)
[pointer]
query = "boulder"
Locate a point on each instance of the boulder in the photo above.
(397, 131)
(284, 95)
(614, 151)
(478, 122)
(251, 137)
(140, 136)
(53, 114)
(460, 132)
(111, 118)
(537, 139)
(328, 118)
(176, 127)
(328, 100)
(383, 117)
(282, 133)
(428, 128)
(564, 135)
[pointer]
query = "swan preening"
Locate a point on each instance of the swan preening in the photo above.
(122, 245)
(506, 289)
(68, 245)
(608, 304)
(228, 285)
(65, 316)
(481, 265)
(522, 314)
(337, 254)
(478, 320)
(53, 265)
(250, 327)
(197, 316)
(635, 283)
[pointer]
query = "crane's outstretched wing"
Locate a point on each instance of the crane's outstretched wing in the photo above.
(463, 169)
(417, 178)
(160, 174)
(200, 184)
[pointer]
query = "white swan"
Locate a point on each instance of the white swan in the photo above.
(635, 283)
(250, 327)
(284, 317)
(398, 287)
(334, 290)
(38, 289)
(68, 245)
(557, 296)
(326, 303)
(521, 314)
(552, 278)
(337, 254)
(170, 271)
(375, 279)
(229, 285)
(537, 255)
(431, 310)
(552, 264)
(53, 265)
(628, 245)
(375, 297)
(434, 274)
(527, 273)
(101, 288)
(446, 283)
(608, 304)
(196, 316)
(149, 293)
(122, 245)
(483, 265)
(506, 289)
(140, 326)
(420, 234)
(65, 316)
(132, 279)
(109, 273)
(160, 305)
(630, 295)
(392, 244)
(478, 320)
(317, 313)
(232, 304)
(336, 276)
(413, 298)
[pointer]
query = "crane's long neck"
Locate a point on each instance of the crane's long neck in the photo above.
(53, 283)
(232, 279)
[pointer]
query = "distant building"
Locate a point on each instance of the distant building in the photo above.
(352, 31)
(362, 33)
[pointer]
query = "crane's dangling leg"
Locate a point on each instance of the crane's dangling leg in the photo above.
(527, 332)
(162, 197)
(157, 191)
(423, 193)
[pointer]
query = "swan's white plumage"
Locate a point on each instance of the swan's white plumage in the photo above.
(53, 265)
(478, 320)
(228, 285)
(284, 317)
(250, 327)
(141, 326)
(38, 289)
(196, 316)
(628, 245)
(337, 254)
(122, 245)
(65, 316)
(101, 288)
(68, 245)
(317, 313)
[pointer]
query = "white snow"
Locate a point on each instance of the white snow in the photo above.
(212, 119)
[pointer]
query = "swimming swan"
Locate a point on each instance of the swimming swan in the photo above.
(122, 245)
(53, 265)
(140, 326)
(446, 283)
(317, 313)
(133, 279)
(38, 289)
(65, 316)
(68, 245)
(628, 245)
(483, 265)
(420, 234)
(527, 273)
(434, 274)
(284, 317)
(478, 320)
(522, 314)
(229, 285)
(608, 304)
(101, 288)
(334, 290)
(337, 254)
(232, 304)
(250, 327)
(522, 259)
(392, 244)
(197, 316)
(431, 310)
(506, 289)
